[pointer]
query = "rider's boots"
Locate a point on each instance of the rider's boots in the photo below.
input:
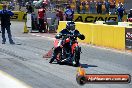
(53, 57)
(51, 60)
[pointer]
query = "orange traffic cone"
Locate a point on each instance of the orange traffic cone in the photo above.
(25, 30)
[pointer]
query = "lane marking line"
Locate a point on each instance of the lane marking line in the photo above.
(8, 81)
(43, 36)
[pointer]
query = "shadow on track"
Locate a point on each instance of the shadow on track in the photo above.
(87, 66)
(81, 65)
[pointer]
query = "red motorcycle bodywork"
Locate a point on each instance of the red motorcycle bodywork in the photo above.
(56, 43)
(129, 19)
(67, 40)
(73, 46)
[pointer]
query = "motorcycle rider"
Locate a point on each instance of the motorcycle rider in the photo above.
(69, 30)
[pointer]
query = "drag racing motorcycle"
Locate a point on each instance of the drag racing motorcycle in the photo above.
(69, 56)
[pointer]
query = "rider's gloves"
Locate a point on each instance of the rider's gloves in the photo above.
(81, 36)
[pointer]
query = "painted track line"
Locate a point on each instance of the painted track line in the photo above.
(7, 81)
(50, 38)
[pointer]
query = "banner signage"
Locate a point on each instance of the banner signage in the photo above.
(128, 38)
(91, 18)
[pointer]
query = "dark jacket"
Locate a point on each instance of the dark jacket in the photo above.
(66, 32)
(5, 17)
(120, 11)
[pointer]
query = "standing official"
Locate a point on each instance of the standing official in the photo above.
(5, 24)
(99, 7)
(107, 6)
(120, 11)
(42, 17)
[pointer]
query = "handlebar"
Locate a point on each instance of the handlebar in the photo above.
(68, 35)
(64, 36)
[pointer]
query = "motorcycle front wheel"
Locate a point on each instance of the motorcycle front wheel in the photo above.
(76, 56)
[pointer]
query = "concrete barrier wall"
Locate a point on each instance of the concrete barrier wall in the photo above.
(100, 35)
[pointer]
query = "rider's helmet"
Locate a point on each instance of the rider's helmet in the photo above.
(70, 25)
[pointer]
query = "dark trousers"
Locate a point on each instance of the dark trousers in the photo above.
(78, 9)
(7, 28)
(120, 16)
(41, 25)
(99, 10)
(107, 11)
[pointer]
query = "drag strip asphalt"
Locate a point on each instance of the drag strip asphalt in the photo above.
(24, 61)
